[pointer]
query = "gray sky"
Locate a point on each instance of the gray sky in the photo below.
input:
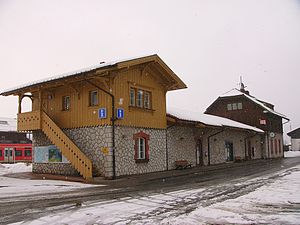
(208, 43)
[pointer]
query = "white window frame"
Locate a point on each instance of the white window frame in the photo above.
(132, 96)
(66, 103)
(139, 99)
(94, 98)
(234, 106)
(240, 105)
(141, 148)
(229, 107)
(147, 100)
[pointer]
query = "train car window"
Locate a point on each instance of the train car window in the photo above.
(1, 153)
(27, 152)
(18, 153)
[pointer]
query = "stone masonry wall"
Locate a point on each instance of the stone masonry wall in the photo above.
(96, 143)
(40, 139)
(91, 141)
(125, 162)
(181, 145)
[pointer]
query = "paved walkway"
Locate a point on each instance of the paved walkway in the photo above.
(141, 178)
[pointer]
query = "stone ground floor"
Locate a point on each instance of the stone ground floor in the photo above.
(142, 150)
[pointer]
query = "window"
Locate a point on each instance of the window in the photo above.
(66, 103)
(147, 100)
(279, 146)
(18, 153)
(132, 97)
(2, 122)
(141, 147)
(1, 153)
(234, 106)
(276, 149)
(240, 105)
(229, 107)
(139, 100)
(93, 98)
(27, 153)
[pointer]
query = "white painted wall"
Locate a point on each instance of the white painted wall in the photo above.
(295, 144)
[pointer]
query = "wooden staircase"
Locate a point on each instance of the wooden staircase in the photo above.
(67, 147)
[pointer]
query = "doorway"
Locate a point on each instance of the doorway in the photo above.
(249, 150)
(199, 153)
(9, 155)
(229, 151)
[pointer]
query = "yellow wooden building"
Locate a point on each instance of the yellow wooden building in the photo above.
(106, 120)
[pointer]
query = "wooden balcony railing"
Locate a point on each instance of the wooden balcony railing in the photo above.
(29, 121)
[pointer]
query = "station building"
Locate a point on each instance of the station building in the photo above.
(111, 120)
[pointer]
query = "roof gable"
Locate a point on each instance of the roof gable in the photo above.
(264, 105)
(174, 81)
(294, 133)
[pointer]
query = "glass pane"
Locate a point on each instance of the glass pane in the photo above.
(140, 98)
(234, 106)
(229, 107)
(147, 100)
(27, 152)
(132, 97)
(240, 105)
(141, 148)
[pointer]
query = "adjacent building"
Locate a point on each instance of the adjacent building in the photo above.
(240, 106)
(206, 139)
(14, 146)
(295, 139)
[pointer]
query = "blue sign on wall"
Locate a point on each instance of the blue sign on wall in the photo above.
(120, 113)
(102, 113)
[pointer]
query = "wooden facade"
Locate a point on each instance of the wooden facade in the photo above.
(250, 113)
(137, 86)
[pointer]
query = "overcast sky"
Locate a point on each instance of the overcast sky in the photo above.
(209, 44)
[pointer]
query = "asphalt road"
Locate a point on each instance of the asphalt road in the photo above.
(26, 208)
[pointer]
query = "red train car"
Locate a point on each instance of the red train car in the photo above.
(10, 153)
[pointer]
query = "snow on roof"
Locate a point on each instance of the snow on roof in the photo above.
(236, 92)
(209, 119)
(73, 73)
(8, 124)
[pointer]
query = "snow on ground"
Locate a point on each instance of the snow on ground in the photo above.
(292, 154)
(276, 202)
(21, 187)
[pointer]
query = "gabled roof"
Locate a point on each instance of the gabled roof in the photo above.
(208, 120)
(294, 133)
(8, 124)
(236, 92)
(114, 65)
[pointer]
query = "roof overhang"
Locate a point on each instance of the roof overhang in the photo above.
(174, 82)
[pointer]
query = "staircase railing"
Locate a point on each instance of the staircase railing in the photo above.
(68, 148)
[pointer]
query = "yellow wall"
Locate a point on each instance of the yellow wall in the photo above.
(81, 114)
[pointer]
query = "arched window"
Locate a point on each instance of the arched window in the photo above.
(141, 147)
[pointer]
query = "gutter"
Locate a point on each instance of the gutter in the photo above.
(113, 119)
